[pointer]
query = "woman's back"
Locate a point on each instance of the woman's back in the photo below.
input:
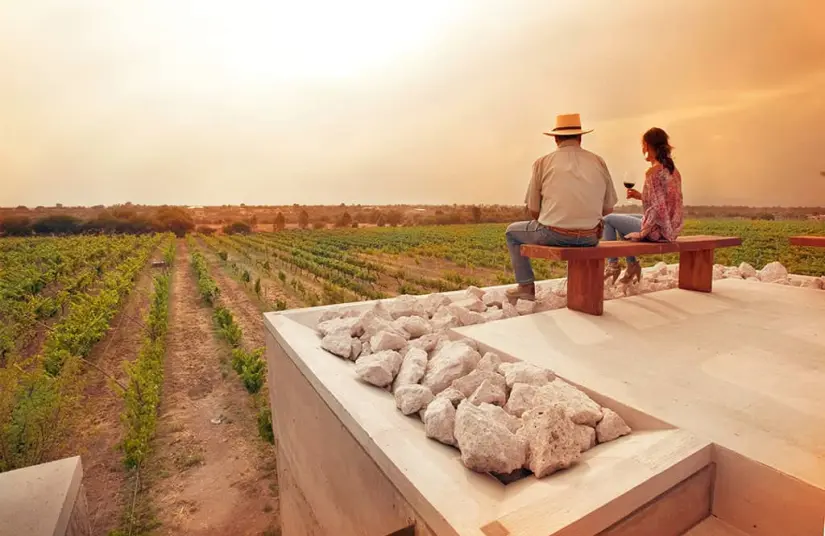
(663, 206)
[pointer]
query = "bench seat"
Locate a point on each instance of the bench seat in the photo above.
(809, 241)
(585, 265)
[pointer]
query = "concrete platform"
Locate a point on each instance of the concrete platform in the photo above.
(743, 367)
(44, 500)
(723, 391)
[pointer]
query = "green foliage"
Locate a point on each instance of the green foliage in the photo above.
(223, 255)
(207, 288)
(228, 329)
(246, 277)
(251, 367)
(258, 287)
(280, 305)
(282, 276)
(265, 424)
(145, 379)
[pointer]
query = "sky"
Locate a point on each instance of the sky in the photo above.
(209, 102)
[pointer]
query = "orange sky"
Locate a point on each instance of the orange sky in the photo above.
(213, 102)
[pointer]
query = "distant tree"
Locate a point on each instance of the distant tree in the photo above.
(280, 222)
(355, 225)
(394, 217)
(58, 205)
(253, 221)
(60, 224)
(16, 226)
(238, 227)
(303, 219)
(345, 220)
(476, 214)
(318, 225)
(22, 207)
(175, 219)
(380, 221)
(202, 229)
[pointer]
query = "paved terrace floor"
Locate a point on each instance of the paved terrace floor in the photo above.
(743, 367)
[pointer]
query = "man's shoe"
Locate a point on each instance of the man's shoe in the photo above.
(522, 292)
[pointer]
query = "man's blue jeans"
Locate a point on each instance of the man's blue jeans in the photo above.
(532, 232)
(621, 224)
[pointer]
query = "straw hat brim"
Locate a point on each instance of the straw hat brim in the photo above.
(567, 132)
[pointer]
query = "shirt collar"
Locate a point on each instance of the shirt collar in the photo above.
(569, 143)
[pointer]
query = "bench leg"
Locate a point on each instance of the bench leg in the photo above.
(585, 286)
(696, 270)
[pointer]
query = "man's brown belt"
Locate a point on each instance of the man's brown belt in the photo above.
(579, 233)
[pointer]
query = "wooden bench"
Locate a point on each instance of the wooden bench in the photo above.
(809, 241)
(585, 265)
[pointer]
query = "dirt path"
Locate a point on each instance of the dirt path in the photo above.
(98, 432)
(206, 478)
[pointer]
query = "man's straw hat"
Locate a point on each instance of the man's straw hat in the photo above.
(568, 125)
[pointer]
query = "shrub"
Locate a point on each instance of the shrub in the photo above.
(237, 227)
(265, 424)
(223, 255)
(250, 367)
(227, 327)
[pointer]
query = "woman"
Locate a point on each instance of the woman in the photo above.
(661, 199)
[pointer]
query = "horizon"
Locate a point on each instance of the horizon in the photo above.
(205, 104)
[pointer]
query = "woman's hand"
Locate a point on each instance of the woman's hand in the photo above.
(632, 193)
(634, 237)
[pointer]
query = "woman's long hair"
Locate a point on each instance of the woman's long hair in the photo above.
(658, 141)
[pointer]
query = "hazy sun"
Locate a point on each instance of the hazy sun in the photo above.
(262, 39)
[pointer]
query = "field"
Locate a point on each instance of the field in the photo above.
(155, 376)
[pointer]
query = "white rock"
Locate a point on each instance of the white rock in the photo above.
(469, 383)
(499, 415)
(718, 271)
(552, 440)
(747, 270)
(414, 325)
(412, 398)
(472, 343)
(489, 361)
(357, 347)
(753, 279)
(338, 343)
(561, 288)
(493, 313)
(522, 372)
(433, 302)
(330, 314)
(525, 307)
(494, 298)
(373, 324)
(580, 407)
(412, 368)
(585, 437)
(351, 326)
(386, 340)
(452, 394)
(471, 304)
(439, 421)
(733, 273)
(474, 292)
(551, 302)
(521, 399)
(365, 348)
(659, 269)
(806, 281)
(509, 310)
(378, 369)
(611, 426)
(772, 272)
(426, 342)
(489, 392)
(444, 319)
(486, 445)
(454, 360)
(466, 317)
(405, 305)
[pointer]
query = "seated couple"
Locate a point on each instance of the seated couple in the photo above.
(571, 198)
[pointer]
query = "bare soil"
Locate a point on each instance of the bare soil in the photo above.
(210, 473)
(98, 432)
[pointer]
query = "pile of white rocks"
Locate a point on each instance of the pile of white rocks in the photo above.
(502, 416)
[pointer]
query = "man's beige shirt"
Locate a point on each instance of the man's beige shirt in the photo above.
(571, 188)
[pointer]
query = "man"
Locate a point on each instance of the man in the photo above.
(569, 192)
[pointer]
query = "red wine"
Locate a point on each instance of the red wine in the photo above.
(629, 185)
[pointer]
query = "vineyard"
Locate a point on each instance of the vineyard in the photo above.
(154, 371)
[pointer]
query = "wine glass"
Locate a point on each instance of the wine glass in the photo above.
(628, 182)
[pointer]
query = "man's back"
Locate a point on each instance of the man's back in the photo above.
(571, 188)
